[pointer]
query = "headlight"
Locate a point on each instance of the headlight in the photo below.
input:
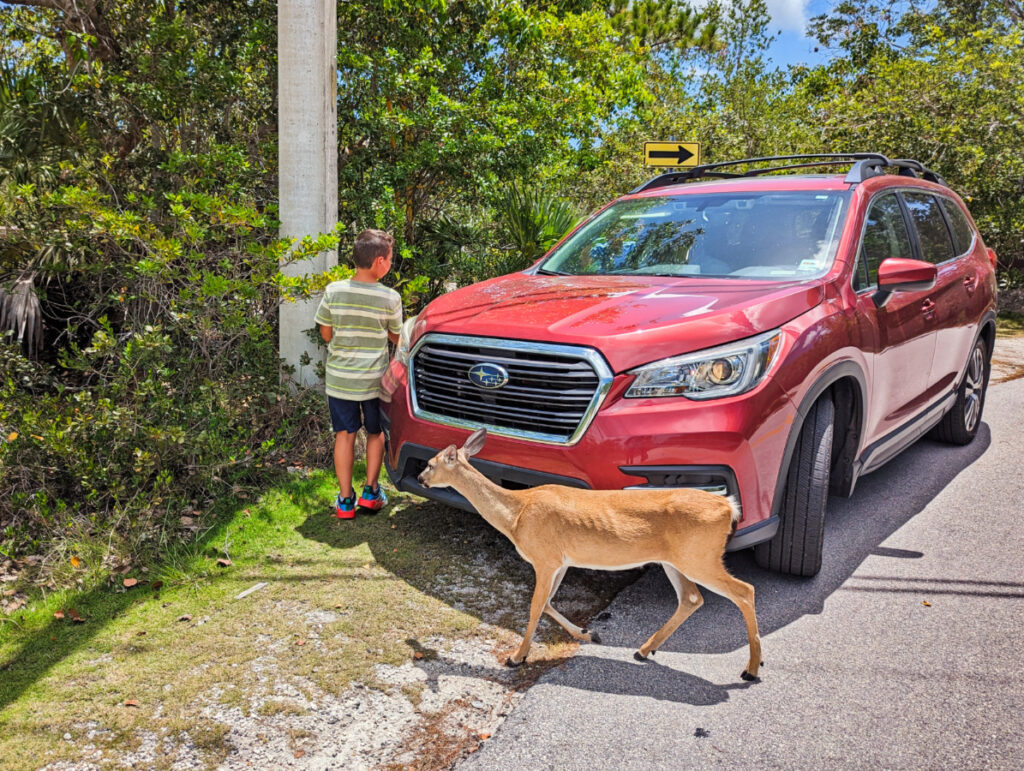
(726, 371)
(404, 341)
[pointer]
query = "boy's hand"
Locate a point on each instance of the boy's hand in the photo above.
(327, 333)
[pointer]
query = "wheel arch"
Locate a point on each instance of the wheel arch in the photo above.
(847, 384)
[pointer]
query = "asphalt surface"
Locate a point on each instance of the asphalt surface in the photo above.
(904, 652)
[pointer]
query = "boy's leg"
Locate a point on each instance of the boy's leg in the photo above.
(346, 422)
(344, 458)
(374, 440)
(374, 458)
(373, 498)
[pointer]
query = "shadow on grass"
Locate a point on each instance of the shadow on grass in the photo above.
(459, 559)
(37, 651)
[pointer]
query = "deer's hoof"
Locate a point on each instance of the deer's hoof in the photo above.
(513, 664)
(595, 638)
(638, 656)
(749, 677)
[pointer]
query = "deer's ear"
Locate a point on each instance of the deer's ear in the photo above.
(450, 454)
(475, 442)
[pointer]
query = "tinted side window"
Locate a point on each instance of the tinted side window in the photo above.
(885, 236)
(963, 233)
(936, 245)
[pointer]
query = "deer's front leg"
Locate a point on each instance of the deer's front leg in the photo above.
(541, 592)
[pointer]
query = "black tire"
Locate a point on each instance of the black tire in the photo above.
(960, 424)
(796, 547)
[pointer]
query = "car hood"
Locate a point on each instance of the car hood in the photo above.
(632, 320)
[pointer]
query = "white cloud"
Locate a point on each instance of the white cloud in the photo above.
(788, 14)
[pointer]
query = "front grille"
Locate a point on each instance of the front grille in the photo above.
(551, 395)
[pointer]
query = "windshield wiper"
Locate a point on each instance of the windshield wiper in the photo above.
(547, 272)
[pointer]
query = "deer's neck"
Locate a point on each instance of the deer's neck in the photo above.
(494, 503)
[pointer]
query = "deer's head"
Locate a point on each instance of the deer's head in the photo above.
(444, 468)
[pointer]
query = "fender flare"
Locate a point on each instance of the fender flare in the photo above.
(826, 380)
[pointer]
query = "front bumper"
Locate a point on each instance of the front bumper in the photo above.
(660, 442)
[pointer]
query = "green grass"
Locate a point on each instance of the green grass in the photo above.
(341, 597)
(1010, 324)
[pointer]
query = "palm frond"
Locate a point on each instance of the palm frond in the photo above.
(21, 313)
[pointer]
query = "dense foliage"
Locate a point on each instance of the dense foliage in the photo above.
(139, 255)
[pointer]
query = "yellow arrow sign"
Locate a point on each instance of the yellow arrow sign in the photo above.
(672, 153)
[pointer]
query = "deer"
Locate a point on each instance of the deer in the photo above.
(555, 527)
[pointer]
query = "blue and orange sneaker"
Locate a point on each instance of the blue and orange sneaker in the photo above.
(345, 507)
(371, 499)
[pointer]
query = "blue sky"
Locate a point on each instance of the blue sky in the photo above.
(789, 17)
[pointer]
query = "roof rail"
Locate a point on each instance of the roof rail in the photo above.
(862, 166)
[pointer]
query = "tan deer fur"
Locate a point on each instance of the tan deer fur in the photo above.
(554, 527)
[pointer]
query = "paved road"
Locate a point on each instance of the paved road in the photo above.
(860, 672)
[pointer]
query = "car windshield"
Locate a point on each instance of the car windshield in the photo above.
(771, 235)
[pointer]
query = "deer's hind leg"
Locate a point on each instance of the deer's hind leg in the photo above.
(576, 632)
(715, 577)
(689, 598)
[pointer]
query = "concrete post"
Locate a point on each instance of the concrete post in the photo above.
(308, 158)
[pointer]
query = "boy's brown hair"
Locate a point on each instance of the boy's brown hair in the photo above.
(371, 244)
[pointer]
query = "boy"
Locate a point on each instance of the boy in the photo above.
(357, 317)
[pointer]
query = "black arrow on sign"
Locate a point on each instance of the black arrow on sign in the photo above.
(681, 154)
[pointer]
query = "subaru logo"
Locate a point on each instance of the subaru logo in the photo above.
(487, 375)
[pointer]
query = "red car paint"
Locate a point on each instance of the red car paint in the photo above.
(898, 358)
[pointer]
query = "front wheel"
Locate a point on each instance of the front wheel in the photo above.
(960, 424)
(797, 546)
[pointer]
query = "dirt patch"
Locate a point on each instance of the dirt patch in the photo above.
(1007, 359)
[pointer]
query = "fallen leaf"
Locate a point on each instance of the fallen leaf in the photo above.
(300, 642)
(75, 562)
(131, 703)
(74, 616)
(12, 436)
(140, 633)
(186, 521)
(484, 736)
(130, 582)
(59, 615)
(157, 584)
(186, 617)
(417, 655)
(224, 562)
(339, 606)
(366, 566)
(248, 513)
(926, 603)
(299, 753)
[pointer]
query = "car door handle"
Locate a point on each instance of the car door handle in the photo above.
(970, 284)
(928, 309)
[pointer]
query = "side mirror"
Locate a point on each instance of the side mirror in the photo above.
(901, 275)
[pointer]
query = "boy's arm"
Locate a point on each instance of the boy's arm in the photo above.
(395, 321)
(326, 332)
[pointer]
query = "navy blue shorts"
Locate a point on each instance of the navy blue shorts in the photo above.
(349, 416)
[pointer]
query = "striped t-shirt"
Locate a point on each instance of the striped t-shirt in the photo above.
(361, 314)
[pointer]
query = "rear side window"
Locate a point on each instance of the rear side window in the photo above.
(963, 233)
(936, 245)
(885, 236)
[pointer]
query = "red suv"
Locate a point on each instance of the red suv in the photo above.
(767, 337)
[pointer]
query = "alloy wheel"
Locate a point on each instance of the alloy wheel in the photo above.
(974, 384)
